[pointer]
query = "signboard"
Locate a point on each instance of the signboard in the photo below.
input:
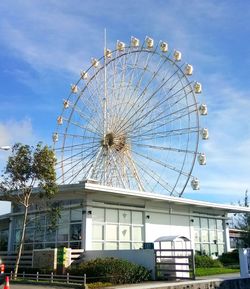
(148, 246)
(44, 259)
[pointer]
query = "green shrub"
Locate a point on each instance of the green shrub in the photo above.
(202, 261)
(230, 258)
(112, 270)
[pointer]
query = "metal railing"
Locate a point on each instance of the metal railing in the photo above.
(9, 257)
(51, 278)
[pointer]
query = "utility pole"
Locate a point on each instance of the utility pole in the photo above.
(246, 198)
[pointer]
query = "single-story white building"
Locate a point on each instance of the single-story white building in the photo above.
(95, 217)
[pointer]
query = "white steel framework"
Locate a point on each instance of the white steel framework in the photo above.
(131, 121)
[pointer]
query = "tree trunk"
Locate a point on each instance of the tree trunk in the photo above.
(21, 242)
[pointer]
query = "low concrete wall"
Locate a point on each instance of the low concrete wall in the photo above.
(145, 258)
(197, 284)
(243, 283)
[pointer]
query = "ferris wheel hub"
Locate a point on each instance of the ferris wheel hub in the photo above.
(117, 142)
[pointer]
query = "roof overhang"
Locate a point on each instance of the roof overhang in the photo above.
(93, 188)
(83, 188)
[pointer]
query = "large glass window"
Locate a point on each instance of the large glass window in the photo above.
(117, 229)
(40, 234)
(64, 217)
(208, 235)
(124, 217)
(98, 215)
(98, 232)
(137, 218)
(76, 215)
(124, 233)
(111, 232)
(137, 234)
(75, 231)
(63, 233)
(111, 216)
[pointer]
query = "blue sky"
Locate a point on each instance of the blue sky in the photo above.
(45, 43)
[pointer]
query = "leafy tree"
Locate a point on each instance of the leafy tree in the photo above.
(242, 222)
(29, 177)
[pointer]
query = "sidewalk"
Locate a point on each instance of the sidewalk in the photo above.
(171, 284)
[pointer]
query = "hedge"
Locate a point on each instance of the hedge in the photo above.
(115, 271)
(202, 261)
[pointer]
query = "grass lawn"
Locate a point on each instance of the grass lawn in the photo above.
(214, 271)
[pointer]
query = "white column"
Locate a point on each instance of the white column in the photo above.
(226, 236)
(87, 229)
(147, 227)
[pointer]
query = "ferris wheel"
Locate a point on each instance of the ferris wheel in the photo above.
(132, 121)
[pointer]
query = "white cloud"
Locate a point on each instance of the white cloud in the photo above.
(14, 131)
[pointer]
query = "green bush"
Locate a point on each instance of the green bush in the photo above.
(112, 270)
(230, 258)
(202, 261)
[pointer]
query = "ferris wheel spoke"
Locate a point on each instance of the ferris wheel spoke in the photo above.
(141, 108)
(77, 162)
(77, 154)
(137, 85)
(178, 172)
(86, 117)
(145, 103)
(134, 171)
(94, 164)
(154, 176)
(117, 168)
(163, 134)
(127, 113)
(162, 164)
(97, 132)
(83, 168)
(95, 106)
(79, 136)
(148, 99)
(162, 148)
(158, 124)
(93, 129)
(74, 147)
(88, 102)
(98, 87)
(157, 121)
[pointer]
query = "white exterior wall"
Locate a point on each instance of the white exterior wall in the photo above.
(160, 224)
(87, 229)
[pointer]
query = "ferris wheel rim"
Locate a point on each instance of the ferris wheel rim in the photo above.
(132, 50)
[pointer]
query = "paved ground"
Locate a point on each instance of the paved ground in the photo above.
(147, 285)
(32, 286)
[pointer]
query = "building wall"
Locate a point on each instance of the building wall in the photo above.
(101, 221)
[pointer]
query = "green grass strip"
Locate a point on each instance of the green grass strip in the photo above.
(214, 271)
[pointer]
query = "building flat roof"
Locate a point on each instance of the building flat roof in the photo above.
(90, 187)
